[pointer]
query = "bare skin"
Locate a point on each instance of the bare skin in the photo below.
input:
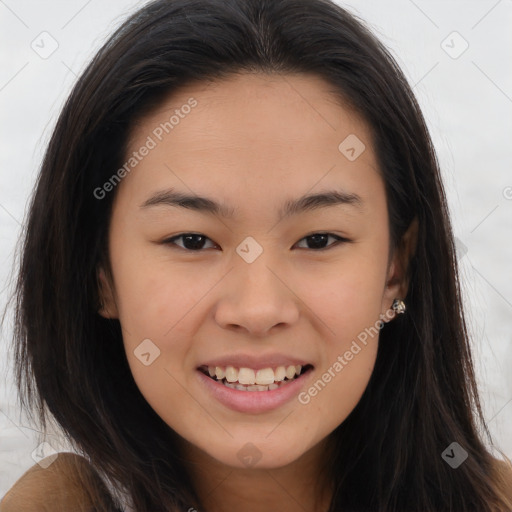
(58, 489)
(53, 488)
(252, 143)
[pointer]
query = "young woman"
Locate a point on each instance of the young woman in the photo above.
(238, 287)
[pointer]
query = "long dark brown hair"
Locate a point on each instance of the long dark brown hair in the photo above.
(70, 362)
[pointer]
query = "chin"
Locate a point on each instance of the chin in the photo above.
(255, 454)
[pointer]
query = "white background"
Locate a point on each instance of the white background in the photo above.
(467, 102)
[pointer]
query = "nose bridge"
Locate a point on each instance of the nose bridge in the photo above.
(257, 280)
(256, 295)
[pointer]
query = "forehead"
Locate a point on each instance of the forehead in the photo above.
(256, 107)
(254, 132)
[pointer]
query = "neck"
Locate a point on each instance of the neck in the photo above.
(300, 485)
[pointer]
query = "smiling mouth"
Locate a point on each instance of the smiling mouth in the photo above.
(246, 379)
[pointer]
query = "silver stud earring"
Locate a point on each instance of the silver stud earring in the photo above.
(398, 306)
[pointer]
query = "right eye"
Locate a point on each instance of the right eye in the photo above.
(191, 241)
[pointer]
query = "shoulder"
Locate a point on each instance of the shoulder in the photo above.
(54, 488)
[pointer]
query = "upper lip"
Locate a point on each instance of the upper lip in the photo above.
(255, 362)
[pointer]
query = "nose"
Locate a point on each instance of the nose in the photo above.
(257, 299)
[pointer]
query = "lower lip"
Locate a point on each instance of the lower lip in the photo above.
(254, 401)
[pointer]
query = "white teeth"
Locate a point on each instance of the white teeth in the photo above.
(279, 374)
(257, 388)
(247, 376)
(265, 376)
(231, 374)
(254, 387)
(290, 372)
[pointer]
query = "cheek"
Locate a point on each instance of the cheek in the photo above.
(158, 326)
(346, 298)
(349, 352)
(153, 294)
(338, 387)
(155, 306)
(347, 310)
(160, 301)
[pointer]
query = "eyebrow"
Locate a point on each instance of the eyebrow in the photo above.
(304, 203)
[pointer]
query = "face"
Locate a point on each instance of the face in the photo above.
(257, 278)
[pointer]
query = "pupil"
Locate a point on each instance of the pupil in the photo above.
(196, 242)
(196, 245)
(317, 240)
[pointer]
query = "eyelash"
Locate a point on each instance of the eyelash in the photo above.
(339, 239)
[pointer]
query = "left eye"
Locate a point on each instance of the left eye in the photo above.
(319, 239)
(195, 242)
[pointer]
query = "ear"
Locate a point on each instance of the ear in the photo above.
(108, 308)
(397, 279)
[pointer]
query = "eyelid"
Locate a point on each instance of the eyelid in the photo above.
(339, 239)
